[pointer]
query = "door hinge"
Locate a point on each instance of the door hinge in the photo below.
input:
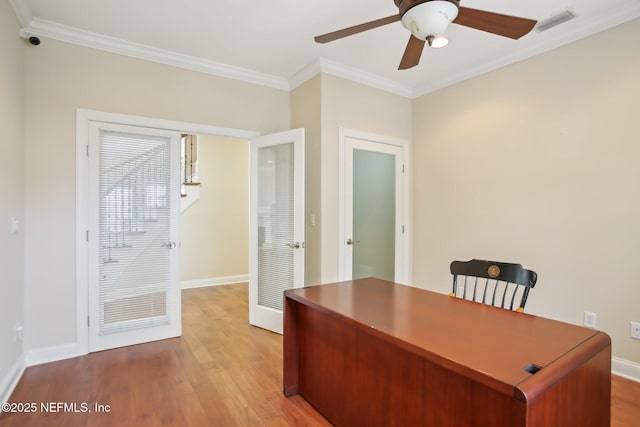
(403, 229)
(87, 235)
(403, 168)
(87, 150)
(88, 323)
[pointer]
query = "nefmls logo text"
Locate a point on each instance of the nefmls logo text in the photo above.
(64, 407)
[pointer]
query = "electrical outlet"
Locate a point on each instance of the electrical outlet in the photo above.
(635, 330)
(589, 320)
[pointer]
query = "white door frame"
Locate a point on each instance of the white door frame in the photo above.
(83, 222)
(403, 266)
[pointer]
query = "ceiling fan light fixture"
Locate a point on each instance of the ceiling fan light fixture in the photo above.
(430, 18)
(437, 42)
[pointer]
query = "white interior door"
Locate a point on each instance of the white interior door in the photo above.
(134, 287)
(374, 208)
(276, 234)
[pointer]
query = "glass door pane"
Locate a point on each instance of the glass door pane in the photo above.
(134, 221)
(275, 224)
(134, 293)
(374, 214)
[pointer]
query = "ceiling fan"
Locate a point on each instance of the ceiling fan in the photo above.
(428, 20)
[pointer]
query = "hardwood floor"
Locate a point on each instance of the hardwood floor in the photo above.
(221, 372)
(625, 402)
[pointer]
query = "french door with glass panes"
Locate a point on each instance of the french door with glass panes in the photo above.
(134, 289)
(276, 244)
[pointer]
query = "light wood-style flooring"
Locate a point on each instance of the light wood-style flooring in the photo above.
(221, 372)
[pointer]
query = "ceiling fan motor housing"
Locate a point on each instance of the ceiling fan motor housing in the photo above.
(404, 5)
(427, 18)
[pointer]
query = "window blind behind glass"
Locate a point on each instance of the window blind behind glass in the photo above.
(134, 183)
(275, 222)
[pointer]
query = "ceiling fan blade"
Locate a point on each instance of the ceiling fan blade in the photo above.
(495, 23)
(412, 53)
(329, 37)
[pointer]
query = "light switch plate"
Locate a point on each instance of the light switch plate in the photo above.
(589, 320)
(15, 225)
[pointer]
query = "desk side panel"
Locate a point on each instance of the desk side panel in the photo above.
(290, 347)
(581, 398)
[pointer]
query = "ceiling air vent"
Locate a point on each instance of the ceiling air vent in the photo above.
(554, 21)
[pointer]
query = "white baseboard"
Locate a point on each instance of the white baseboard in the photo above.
(52, 354)
(9, 383)
(214, 281)
(626, 369)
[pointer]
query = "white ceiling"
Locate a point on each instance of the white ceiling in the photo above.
(271, 42)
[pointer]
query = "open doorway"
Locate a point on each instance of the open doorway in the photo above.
(214, 219)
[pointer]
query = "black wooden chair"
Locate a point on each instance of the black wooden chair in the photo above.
(499, 284)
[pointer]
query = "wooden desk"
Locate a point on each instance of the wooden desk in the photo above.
(369, 352)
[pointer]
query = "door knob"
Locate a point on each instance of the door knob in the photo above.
(295, 245)
(168, 245)
(352, 242)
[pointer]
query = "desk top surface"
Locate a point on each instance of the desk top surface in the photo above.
(495, 342)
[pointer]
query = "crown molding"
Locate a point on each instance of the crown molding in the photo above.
(44, 28)
(22, 11)
(364, 77)
(76, 36)
(326, 66)
(589, 26)
(305, 74)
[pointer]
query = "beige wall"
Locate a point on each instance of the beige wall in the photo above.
(322, 105)
(214, 231)
(305, 113)
(537, 163)
(354, 106)
(59, 78)
(11, 188)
